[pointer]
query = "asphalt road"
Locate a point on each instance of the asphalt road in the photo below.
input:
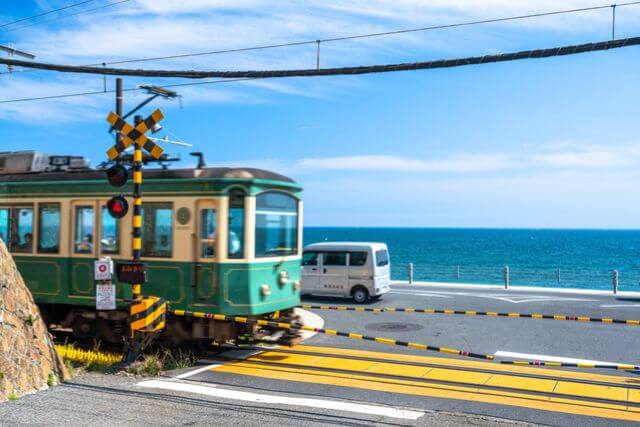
(335, 380)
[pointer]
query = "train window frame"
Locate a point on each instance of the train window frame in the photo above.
(239, 233)
(54, 249)
(104, 212)
(10, 229)
(145, 234)
(272, 214)
(76, 242)
(207, 239)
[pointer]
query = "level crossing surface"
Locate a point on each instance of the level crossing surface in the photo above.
(327, 366)
(335, 380)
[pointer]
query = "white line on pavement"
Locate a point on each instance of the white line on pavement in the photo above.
(512, 355)
(619, 305)
(213, 391)
(196, 371)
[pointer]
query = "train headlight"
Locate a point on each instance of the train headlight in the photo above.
(284, 278)
(265, 290)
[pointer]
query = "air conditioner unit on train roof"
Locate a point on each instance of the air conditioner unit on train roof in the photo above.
(36, 161)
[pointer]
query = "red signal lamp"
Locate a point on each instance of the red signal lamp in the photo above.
(117, 175)
(118, 206)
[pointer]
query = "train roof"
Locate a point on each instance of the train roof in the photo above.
(169, 174)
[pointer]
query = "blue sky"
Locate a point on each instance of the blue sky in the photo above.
(535, 143)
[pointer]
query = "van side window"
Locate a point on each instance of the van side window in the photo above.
(382, 258)
(335, 259)
(49, 228)
(357, 259)
(310, 258)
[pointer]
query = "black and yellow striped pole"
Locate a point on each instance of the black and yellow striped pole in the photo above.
(147, 314)
(136, 291)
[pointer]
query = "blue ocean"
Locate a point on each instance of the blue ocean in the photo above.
(549, 258)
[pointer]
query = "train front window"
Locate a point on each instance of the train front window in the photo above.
(207, 233)
(109, 235)
(276, 224)
(84, 230)
(236, 224)
(157, 230)
(49, 228)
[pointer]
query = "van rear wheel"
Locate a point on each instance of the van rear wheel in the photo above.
(360, 295)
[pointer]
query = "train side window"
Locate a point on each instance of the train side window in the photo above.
(109, 234)
(21, 230)
(4, 225)
(49, 228)
(84, 230)
(236, 224)
(157, 229)
(207, 233)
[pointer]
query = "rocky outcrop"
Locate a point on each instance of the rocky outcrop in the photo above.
(28, 359)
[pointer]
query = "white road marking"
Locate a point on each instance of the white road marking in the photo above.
(619, 305)
(423, 294)
(196, 371)
(334, 405)
(514, 299)
(544, 358)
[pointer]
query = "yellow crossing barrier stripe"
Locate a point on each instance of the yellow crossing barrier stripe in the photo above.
(474, 313)
(391, 341)
(148, 314)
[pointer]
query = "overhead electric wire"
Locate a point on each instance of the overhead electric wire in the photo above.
(311, 72)
(68, 15)
(132, 89)
(28, 18)
(360, 36)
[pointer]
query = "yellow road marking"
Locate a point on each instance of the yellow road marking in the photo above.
(475, 394)
(449, 362)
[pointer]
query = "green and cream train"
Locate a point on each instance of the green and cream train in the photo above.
(216, 240)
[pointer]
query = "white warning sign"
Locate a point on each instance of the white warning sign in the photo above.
(103, 269)
(106, 297)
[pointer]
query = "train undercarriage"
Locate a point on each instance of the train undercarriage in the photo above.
(113, 327)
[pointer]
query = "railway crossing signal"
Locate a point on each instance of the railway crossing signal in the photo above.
(134, 135)
(147, 314)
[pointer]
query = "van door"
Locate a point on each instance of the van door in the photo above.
(361, 270)
(335, 273)
(382, 267)
(310, 272)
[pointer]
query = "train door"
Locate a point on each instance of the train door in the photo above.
(206, 277)
(83, 248)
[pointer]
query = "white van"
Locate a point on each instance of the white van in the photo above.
(347, 269)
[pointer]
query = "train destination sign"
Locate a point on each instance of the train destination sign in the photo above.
(132, 273)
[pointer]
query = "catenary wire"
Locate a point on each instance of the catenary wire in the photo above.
(28, 18)
(115, 3)
(360, 36)
(357, 70)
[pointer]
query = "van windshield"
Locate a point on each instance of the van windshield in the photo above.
(382, 258)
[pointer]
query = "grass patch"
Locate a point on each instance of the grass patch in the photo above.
(51, 379)
(13, 396)
(162, 360)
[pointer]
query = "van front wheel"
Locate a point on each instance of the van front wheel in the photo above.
(360, 295)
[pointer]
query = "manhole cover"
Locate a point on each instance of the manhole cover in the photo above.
(393, 327)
